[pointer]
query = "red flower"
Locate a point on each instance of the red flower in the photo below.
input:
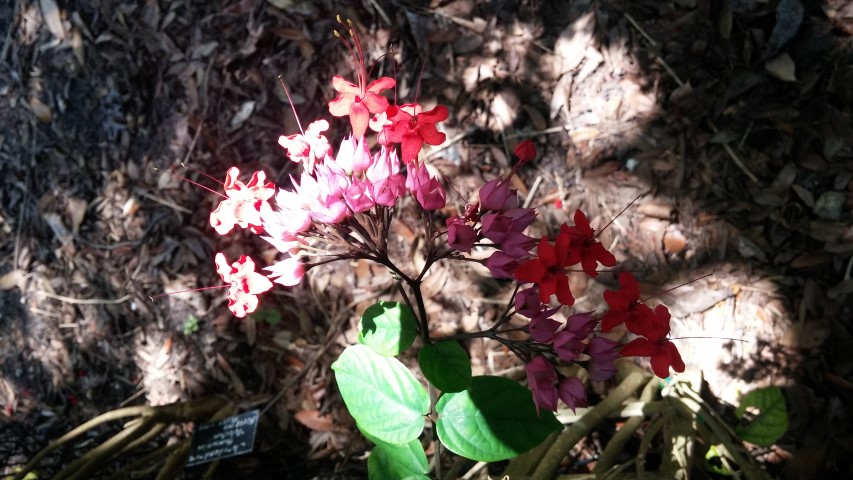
(359, 101)
(525, 151)
(625, 307)
(586, 250)
(661, 351)
(548, 270)
(411, 128)
(246, 284)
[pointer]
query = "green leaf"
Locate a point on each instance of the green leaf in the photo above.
(493, 420)
(269, 315)
(397, 461)
(446, 365)
(770, 423)
(381, 394)
(387, 328)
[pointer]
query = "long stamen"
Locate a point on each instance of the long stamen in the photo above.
(711, 338)
(673, 288)
(188, 166)
(292, 106)
(418, 87)
(191, 181)
(617, 216)
(362, 70)
(351, 54)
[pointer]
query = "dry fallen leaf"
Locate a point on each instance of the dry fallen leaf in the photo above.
(40, 110)
(10, 280)
(313, 420)
(76, 210)
(782, 68)
(53, 18)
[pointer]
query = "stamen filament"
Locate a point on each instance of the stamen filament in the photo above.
(192, 182)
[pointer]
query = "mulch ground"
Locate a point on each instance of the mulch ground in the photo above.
(729, 119)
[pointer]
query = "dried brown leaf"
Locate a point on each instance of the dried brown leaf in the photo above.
(315, 421)
(75, 208)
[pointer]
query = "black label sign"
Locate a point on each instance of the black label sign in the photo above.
(224, 438)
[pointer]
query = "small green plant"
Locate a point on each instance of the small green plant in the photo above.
(190, 325)
(763, 416)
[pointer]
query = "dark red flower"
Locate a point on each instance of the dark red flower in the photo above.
(625, 307)
(661, 351)
(525, 151)
(548, 270)
(586, 250)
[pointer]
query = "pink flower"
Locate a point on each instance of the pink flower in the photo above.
(572, 393)
(246, 284)
(311, 148)
(385, 163)
(359, 101)
(426, 189)
(540, 378)
(412, 128)
(358, 196)
(243, 203)
(353, 156)
(289, 272)
(496, 196)
(460, 235)
(386, 192)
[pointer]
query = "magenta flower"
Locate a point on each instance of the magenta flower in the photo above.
(501, 265)
(460, 235)
(497, 196)
(542, 328)
(540, 378)
(567, 346)
(572, 393)
(602, 354)
(426, 189)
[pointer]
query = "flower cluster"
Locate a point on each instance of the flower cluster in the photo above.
(341, 204)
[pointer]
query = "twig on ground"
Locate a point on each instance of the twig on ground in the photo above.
(84, 301)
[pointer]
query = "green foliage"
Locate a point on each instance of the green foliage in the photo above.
(387, 328)
(406, 461)
(190, 325)
(446, 365)
(770, 423)
(381, 394)
(493, 420)
(269, 315)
